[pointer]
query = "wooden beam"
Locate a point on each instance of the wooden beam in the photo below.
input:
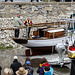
(36, 25)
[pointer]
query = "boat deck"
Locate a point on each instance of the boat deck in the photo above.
(43, 38)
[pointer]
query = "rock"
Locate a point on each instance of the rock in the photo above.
(23, 6)
(7, 45)
(34, 8)
(39, 7)
(40, 17)
(49, 8)
(2, 37)
(68, 8)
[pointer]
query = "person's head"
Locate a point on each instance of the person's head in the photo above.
(28, 63)
(18, 15)
(43, 60)
(27, 59)
(28, 18)
(22, 71)
(47, 68)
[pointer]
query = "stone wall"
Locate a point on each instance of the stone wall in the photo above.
(37, 12)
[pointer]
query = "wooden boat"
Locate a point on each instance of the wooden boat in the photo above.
(44, 40)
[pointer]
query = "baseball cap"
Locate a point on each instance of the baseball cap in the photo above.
(15, 57)
(28, 62)
(18, 14)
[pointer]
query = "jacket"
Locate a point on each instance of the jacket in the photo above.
(47, 73)
(42, 68)
(15, 66)
(30, 72)
(17, 21)
(29, 22)
(50, 72)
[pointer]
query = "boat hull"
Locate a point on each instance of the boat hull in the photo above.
(40, 50)
(42, 46)
(44, 43)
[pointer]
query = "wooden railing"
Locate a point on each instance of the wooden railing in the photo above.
(37, 25)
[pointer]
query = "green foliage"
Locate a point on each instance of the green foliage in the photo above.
(2, 46)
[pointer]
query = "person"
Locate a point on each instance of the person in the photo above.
(22, 71)
(47, 70)
(44, 63)
(38, 70)
(27, 59)
(28, 23)
(0, 69)
(15, 65)
(8, 71)
(17, 23)
(29, 68)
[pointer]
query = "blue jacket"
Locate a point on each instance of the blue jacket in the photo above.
(47, 73)
(50, 72)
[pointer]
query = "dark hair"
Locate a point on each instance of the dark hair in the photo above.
(47, 68)
(72, 15)
(15, 60)
(43, 60)
(27, 59)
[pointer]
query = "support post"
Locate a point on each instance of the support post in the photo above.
(72, 67)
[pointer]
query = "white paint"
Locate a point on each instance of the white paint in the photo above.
(52, 31)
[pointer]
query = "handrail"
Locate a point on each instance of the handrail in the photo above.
(36, 25)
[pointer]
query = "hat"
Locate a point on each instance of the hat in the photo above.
(28, 62)
(18, 14)
(15, 57)
(22, 71)
(8, 70)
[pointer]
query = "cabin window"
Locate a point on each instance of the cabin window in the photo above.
(41, 33)
(71, 25)
(44, 33)
(54, 34)
(61, 33)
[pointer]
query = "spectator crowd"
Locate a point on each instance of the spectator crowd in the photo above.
(16, 68)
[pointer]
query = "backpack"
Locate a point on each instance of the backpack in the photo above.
(30, 70)
(38, 70)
